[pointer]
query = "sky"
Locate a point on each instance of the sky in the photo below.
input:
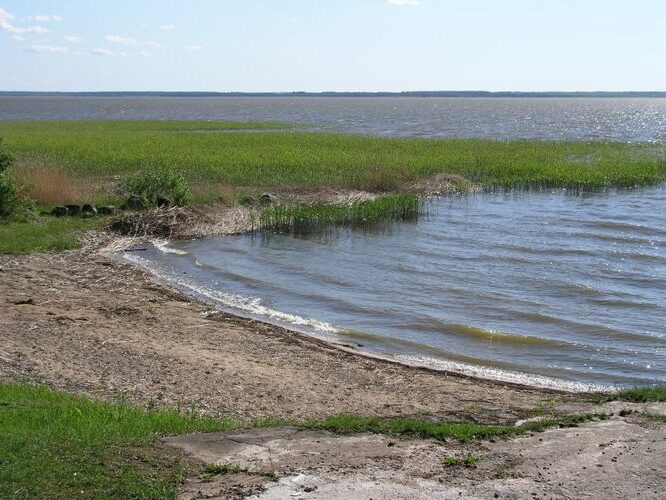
(332, 45)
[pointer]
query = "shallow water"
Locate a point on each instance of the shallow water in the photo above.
(618, 119)
(522, 287)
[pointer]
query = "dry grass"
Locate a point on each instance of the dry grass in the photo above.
(49, 185)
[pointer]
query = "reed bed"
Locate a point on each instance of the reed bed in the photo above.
(256, 156)
(304, 219)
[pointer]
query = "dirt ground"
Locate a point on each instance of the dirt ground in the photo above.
(86, 322)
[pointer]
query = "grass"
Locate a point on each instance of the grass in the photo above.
(60, 446)
(439, 430)
(86, 162)
(305, 218)
(209, 153)
(639, 394)
(43, 234)
(468, 461)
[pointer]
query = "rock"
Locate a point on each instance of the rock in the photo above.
(60, 211)
(134, 202)
(106, 210)
(267, 199)
(25, 302)
(246, 201)
(88, 210)
(164, 201)
(73, 209)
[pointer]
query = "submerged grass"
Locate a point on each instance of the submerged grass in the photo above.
(229, 153)
(306, 218)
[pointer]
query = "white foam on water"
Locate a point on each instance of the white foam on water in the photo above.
(512, 377)
(235, 302)
(163, 246)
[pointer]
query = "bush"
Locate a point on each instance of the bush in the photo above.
(7, 188)
(149, 185)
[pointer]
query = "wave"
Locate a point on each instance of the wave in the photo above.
(163, 246)
(234, 302)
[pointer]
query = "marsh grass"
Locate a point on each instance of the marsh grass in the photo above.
(49, 186)
(303, 219)
(208, 153)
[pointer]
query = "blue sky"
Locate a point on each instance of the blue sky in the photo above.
(316, 45)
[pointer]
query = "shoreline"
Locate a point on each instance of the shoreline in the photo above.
(436, 365)
(141, 332)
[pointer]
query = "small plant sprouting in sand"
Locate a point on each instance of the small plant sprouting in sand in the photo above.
(468, 461)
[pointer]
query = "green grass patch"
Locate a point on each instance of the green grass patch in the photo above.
(639, 394)
(468, 461)
(441, 431)
(208, 153)
(43, 234)
(655, 416)
(60, 446)
(302, 219)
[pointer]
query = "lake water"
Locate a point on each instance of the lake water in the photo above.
(618, 119)
(553, 289)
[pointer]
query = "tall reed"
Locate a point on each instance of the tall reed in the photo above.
(303, 219)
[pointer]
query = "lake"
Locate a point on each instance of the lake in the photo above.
(617, 119)
(557, 289)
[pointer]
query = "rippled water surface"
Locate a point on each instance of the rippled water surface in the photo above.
(621, 119)
(556, 285)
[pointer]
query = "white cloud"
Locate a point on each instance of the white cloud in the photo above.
(74, 39)
(195, 47)
(123, 40)
(47, 18)
(102, 52)
(155, 45)
(167, 27)
(18, 37)
(402, 3)
(47, 49)
(6, 25)
(108, 52)
(143, 53)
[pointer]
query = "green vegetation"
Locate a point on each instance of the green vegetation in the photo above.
(60, 446)
(43, 234)
(439, 430)
(7, 188)
(220, 470)
(639, 394)
(212, 153)
(304, 218)
(468, 461)
(151, 184)
(198, 161)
